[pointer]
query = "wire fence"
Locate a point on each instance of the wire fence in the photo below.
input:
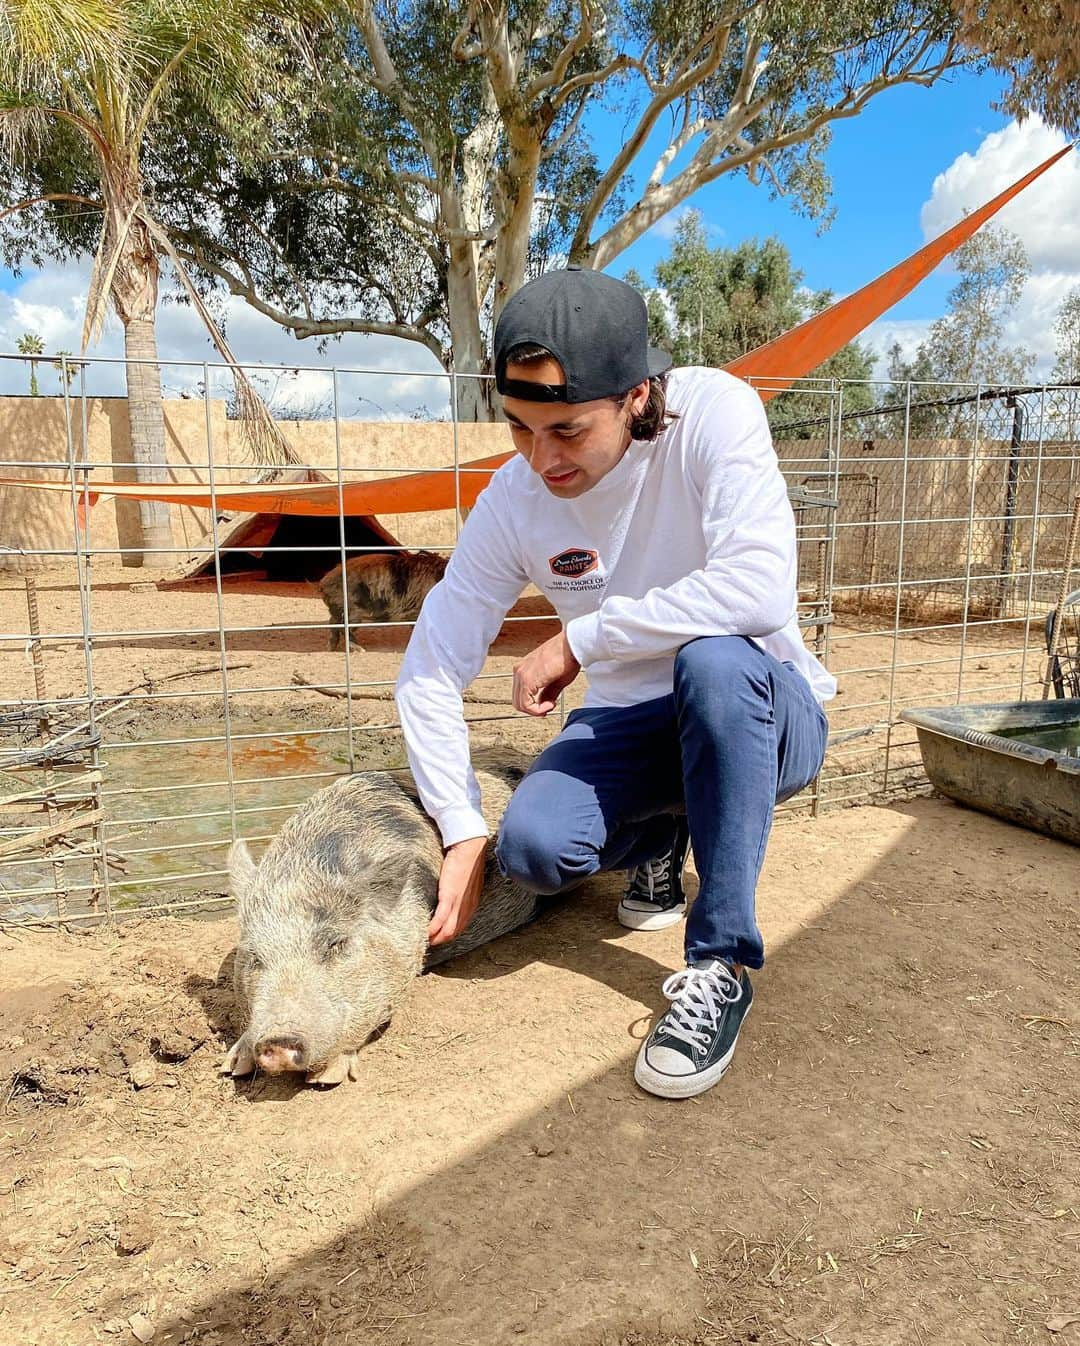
(148, 719)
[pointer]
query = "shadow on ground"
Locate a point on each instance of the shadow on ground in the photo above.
(893, 1157)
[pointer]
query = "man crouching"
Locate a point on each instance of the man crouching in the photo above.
(650, 508)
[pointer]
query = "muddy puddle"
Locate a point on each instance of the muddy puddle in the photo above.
(173, 808)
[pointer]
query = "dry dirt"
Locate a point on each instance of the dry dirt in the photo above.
(142, 636)
(893, 1158)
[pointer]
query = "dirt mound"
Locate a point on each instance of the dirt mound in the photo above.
(66, 1044)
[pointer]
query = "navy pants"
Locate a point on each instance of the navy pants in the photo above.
(740, 732)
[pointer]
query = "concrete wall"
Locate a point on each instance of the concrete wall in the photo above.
(35, 432)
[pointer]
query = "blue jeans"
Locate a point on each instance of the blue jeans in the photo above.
(740, 732)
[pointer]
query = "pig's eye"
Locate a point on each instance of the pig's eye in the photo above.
(336, 948)
(253, 960)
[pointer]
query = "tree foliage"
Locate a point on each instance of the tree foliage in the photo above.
(1038, 46)
(715, 304)
(1067, 339)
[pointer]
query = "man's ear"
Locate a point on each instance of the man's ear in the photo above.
(637, 399)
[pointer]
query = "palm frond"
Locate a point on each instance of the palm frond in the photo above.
(114, 237)
(269, 447)
(23, 129)
(43, 41)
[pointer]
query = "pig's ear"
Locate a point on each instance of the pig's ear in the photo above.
(241, 869)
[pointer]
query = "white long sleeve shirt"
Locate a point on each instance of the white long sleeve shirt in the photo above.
(689, 535)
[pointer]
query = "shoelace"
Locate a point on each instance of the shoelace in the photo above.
(651, 880)
(698, 996)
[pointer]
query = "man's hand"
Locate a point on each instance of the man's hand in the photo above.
(543, 674)
(461, 880)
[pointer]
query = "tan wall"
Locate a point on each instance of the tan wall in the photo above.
(33, 431)
(953, 503)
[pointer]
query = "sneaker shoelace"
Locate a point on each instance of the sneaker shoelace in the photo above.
(651, 882)
(698, 996)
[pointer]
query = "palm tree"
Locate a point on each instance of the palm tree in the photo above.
(99, 75)
(31, 344)
(67, 368)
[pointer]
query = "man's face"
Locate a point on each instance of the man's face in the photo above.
(569, 445)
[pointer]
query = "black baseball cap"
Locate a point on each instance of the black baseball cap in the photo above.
(597, 328)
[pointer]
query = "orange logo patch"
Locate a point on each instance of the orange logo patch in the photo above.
(573, 562)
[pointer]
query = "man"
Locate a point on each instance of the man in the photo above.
(652, 513)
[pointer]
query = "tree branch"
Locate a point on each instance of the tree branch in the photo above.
(714, 43)
(590, 77)
(49, 196)
(706, 167)
(386, 79)
(302, 327)
(462, 48)
(573, 48)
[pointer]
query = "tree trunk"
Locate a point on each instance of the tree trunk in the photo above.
(146, 420)
(475, 396)
(134, 295)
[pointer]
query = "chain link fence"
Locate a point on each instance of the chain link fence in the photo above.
(148, 720)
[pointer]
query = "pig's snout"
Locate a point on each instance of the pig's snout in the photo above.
(279, 1054)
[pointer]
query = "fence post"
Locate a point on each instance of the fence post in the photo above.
(1012, 478)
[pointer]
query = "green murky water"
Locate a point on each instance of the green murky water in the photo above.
(169, 820)
(1063, 738)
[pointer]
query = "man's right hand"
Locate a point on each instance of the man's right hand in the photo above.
(461, 881)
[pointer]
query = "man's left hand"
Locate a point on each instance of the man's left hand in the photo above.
(542, 675)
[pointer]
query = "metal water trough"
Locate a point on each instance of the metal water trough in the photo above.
(970, 754)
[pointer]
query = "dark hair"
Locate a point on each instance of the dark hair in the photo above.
(654, 419)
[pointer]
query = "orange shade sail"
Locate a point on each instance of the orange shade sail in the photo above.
(782, 362)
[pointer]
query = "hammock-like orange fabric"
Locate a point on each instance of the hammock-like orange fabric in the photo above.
(780, 362)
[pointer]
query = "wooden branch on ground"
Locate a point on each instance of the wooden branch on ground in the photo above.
(336, 693)
(30, 839)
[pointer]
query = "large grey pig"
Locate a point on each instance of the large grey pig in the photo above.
(381, 587)
(333, 919)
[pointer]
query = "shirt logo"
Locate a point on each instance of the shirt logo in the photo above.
(573, 562)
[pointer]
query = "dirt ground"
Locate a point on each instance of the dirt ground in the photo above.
(142, 635)
(893, 1158)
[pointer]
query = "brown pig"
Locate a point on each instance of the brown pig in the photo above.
(334, 918)
(380, 587)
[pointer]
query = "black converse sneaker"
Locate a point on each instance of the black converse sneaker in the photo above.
(654, 897)
(692, 1045)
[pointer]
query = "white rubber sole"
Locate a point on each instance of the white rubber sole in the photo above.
(683, 1086)
(650, 920)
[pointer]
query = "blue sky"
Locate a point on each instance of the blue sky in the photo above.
(883, 164)
(902, 171)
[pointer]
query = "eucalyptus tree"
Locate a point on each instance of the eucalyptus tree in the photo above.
(87, 90)
(968, 347)
(450, 148)
(1037, 46)
(1067, 361)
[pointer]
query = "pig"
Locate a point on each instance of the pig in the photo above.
(381, 587)
(334, 918)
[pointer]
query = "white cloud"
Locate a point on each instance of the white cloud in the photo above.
(386, 377)
(1046, 217)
